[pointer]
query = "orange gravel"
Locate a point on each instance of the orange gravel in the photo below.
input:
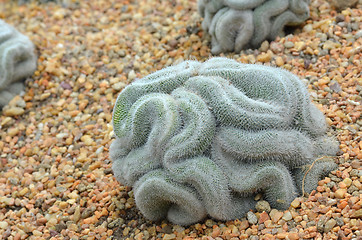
(56, 180)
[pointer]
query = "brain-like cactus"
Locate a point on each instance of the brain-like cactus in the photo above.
(17, 61)
(199, 139)
(238, 24)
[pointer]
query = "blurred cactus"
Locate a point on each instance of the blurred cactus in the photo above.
(235, 25)
(205, 138)
(17, 61)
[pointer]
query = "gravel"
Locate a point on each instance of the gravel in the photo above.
(55, 174)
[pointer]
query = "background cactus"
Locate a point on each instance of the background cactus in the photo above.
(204, 138)
(235, 25)
(17, 61)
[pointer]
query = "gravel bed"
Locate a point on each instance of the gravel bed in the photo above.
(56, 180)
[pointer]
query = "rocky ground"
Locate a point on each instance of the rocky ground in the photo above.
(56, 180)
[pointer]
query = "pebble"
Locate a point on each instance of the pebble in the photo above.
(262, 206)
(4, 225)
(13, 111)
(287, 216)
(251, 217)
(329, 225)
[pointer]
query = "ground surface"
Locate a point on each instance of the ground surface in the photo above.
(55, 175)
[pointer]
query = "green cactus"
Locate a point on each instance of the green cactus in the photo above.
(17, 61)
(219, 132)
(235, 25)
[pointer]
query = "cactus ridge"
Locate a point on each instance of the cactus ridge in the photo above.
(235, 25)
(262, 18)
(217, 135)
(17, 61)
(159, 197)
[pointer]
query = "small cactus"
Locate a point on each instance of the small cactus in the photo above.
(235, 25)
(204, 138)
(17, 61)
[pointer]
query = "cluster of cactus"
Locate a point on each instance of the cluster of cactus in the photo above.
(198, 139)
(17, 61)
(238, 24)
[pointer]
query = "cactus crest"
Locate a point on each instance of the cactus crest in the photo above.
(17, 61)
(199, 139)
(238, 24)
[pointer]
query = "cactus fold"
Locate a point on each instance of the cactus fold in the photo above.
(17, 61)
(235, 25)
(199, 139)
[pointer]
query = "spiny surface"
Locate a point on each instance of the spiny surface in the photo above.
(235, 25)
(17, 61)
(216, 130)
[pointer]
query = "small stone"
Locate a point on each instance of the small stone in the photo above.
(340, 193)
(3, 225)
(295, 203)
(279, 61)
(347, 181)
(262, 206)
(287, 216)
(293, 236)
(288, 44)
(118, 86)
(263, 217)
(251, 217)
(87, 140)
(132, 75)
(13, 111)
(264, 46)
(209, 223)
(357, 214)
(329, 225)
(169, 237)
(275, 215)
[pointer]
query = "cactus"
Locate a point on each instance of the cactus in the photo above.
(204, 138)
(235, 25)
(17, 61)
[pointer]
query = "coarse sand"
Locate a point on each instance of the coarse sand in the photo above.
(56, 180)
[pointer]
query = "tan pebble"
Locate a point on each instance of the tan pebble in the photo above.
(357, 184)
(293, 236)
(37, 233)
(275, 215)
(287, 216)
(6, 121)
(4, 225)
(23, 191)
(295, 203)
(348, 182)
(63, 205)
(44, 96)
(118, 86)
(76, 215)
(357, 214)
(329, 225)
(264, 57)
(13, 111)
(169, 237)
(279, 61)
(282, 235)
(87, 140)
(73, 227)
(340, 193)
(13, 131)
(244, 225)
(299, 46)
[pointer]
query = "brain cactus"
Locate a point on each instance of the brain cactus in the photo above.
(199, 139)
(237, 24)
(17, 61)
